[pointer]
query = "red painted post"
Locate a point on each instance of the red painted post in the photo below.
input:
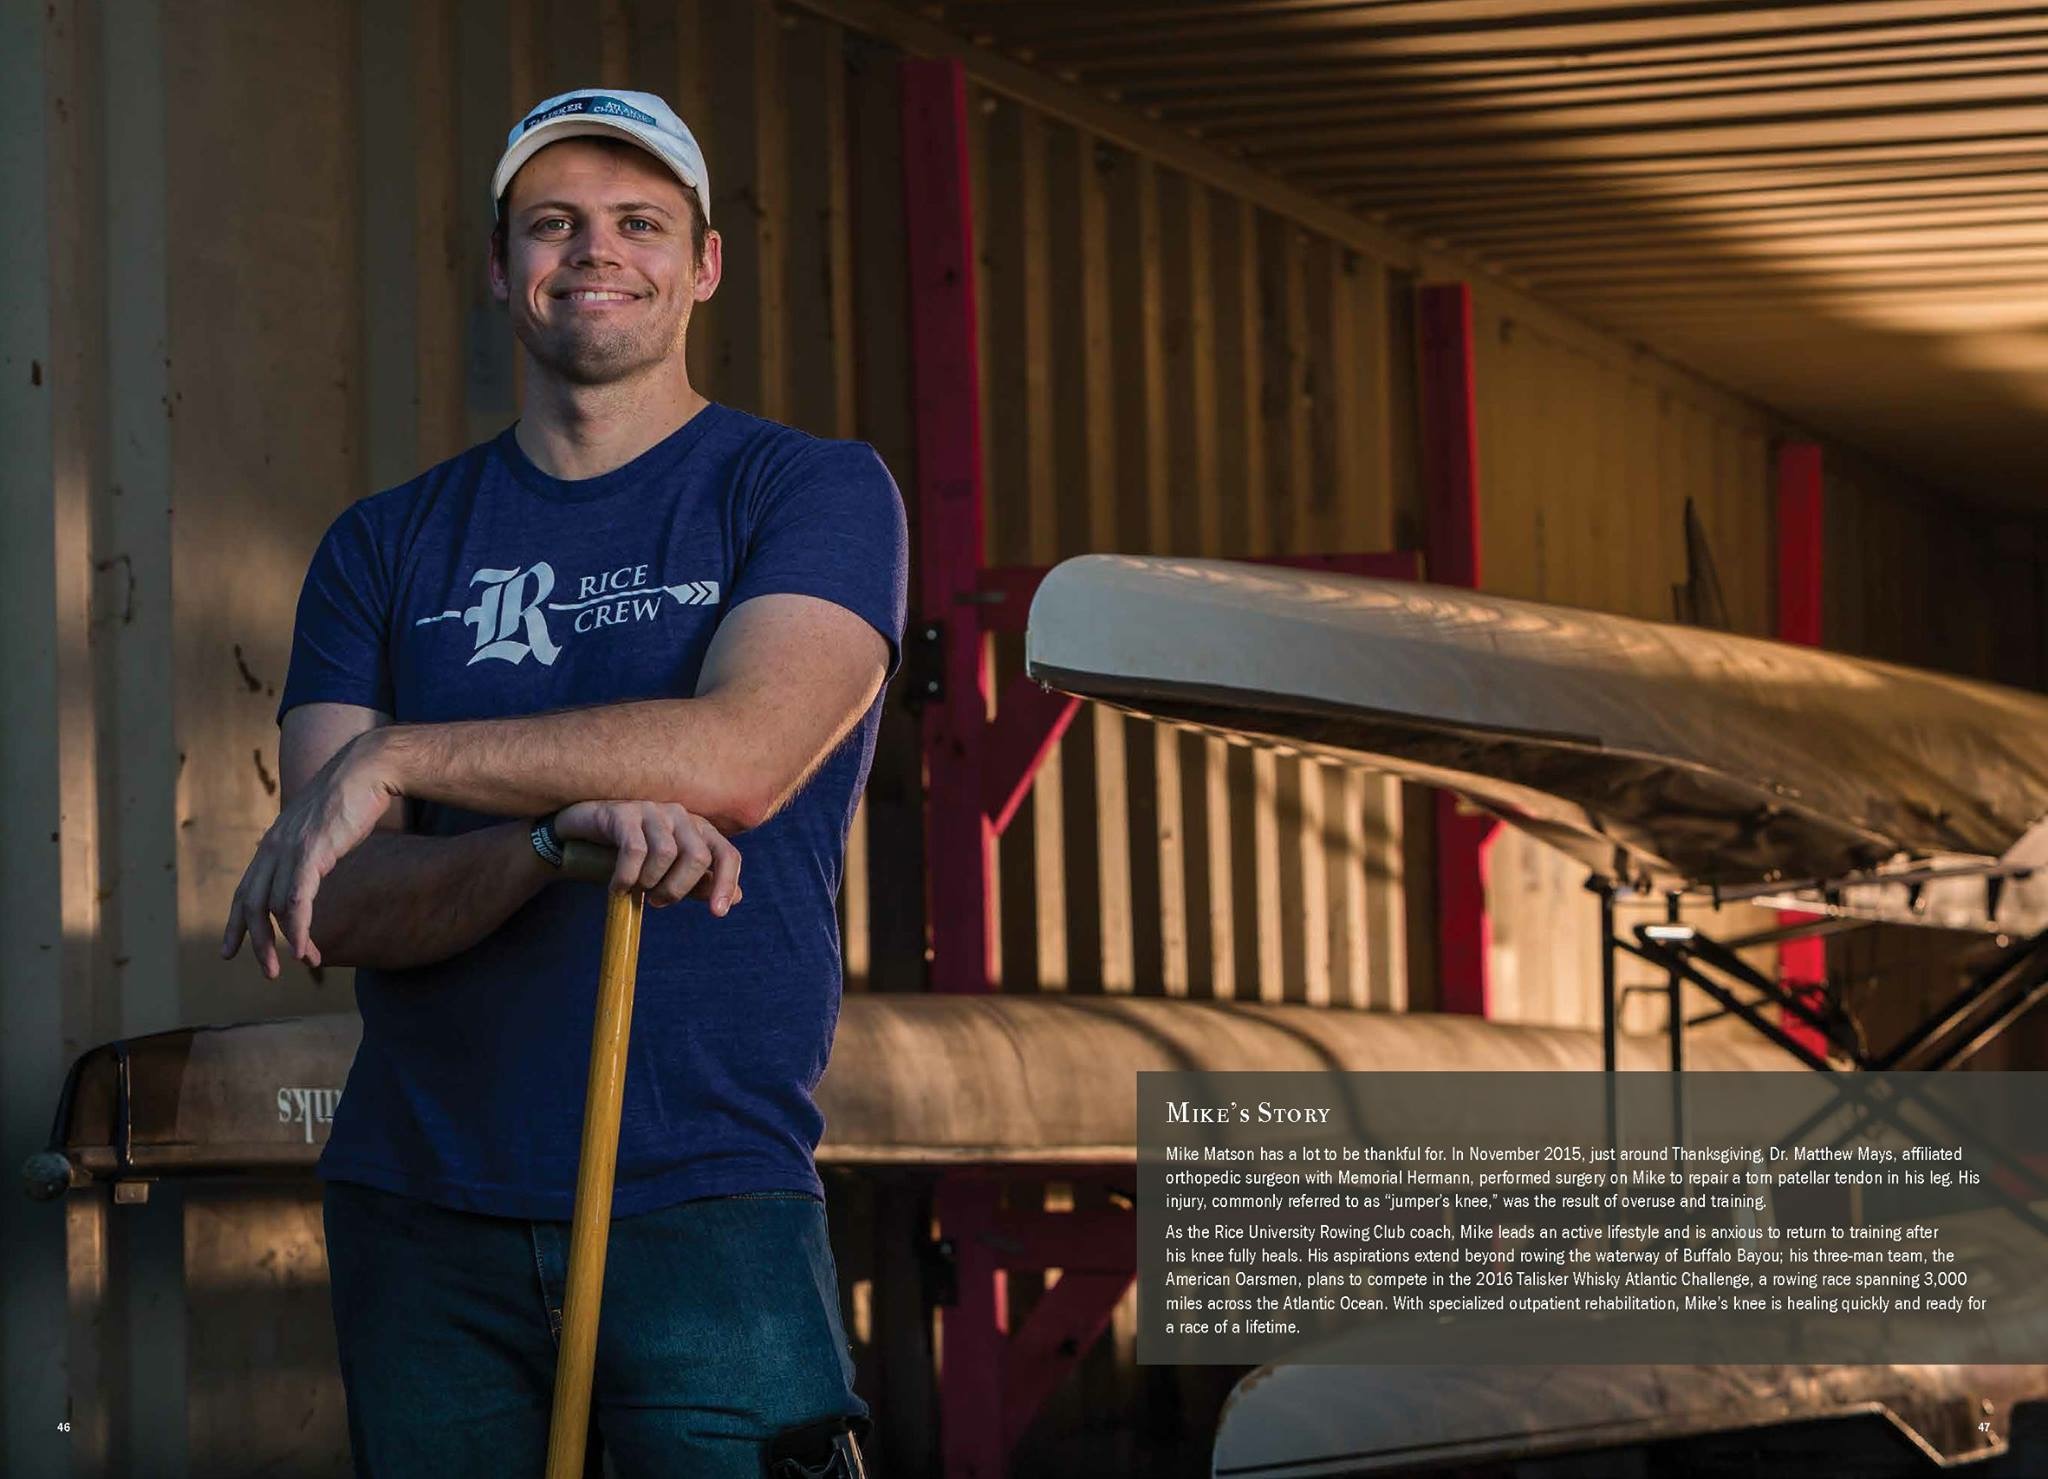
(1450, 486)
(1802, 964)
(1800, 536)
(1068, 1319)
(997, 1378)
(1450, 434)
(1464, 932)
(975, 778)
(973, 1334)
(945, 378)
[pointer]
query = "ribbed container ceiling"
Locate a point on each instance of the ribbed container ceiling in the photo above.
(1837, 207)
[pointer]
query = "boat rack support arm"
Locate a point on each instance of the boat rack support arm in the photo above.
(1977, 1015)
(995, 1379)
(1680, 961)
(2015, 1185)
(1802, 589)
(1974, 1017)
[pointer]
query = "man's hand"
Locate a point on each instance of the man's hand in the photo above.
(317, 827)
(667, 851)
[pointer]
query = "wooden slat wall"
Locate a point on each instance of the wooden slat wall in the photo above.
(1169, 367)
(1169, 371)
(1893, 554)
(1587, 458)
(1891, 588)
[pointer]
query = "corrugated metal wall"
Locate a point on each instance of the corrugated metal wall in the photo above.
(1237, 397)
(1589, 454)
(1166, 369)
(266, 298)
(1892, 592)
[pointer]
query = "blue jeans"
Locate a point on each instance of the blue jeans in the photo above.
(719, 1328)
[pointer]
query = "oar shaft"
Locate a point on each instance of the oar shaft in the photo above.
(590, 1223)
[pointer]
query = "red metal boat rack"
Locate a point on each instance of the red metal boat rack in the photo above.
(978, 771)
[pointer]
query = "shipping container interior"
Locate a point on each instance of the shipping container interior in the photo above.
(257, 293)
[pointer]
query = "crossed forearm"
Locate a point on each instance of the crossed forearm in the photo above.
(686, 751)
(391, 900)
(402, 900)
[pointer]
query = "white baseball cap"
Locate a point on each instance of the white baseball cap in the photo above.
(638, 117)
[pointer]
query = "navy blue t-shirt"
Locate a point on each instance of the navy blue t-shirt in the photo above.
(487, 588)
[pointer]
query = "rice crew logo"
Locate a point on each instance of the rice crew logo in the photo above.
(509, 615)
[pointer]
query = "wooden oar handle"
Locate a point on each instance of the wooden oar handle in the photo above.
(597, 1166)
(592, 862)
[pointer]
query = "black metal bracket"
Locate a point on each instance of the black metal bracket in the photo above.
(1977, 1015)
(924, 664)
(1987, 1006)
(1693, 958)
(939, 1262)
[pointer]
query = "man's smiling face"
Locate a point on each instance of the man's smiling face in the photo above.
(596, 263)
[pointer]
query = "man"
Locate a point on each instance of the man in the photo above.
(645, 620)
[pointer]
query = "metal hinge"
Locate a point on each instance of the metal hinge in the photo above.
(940, 1263)
(924, 665)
